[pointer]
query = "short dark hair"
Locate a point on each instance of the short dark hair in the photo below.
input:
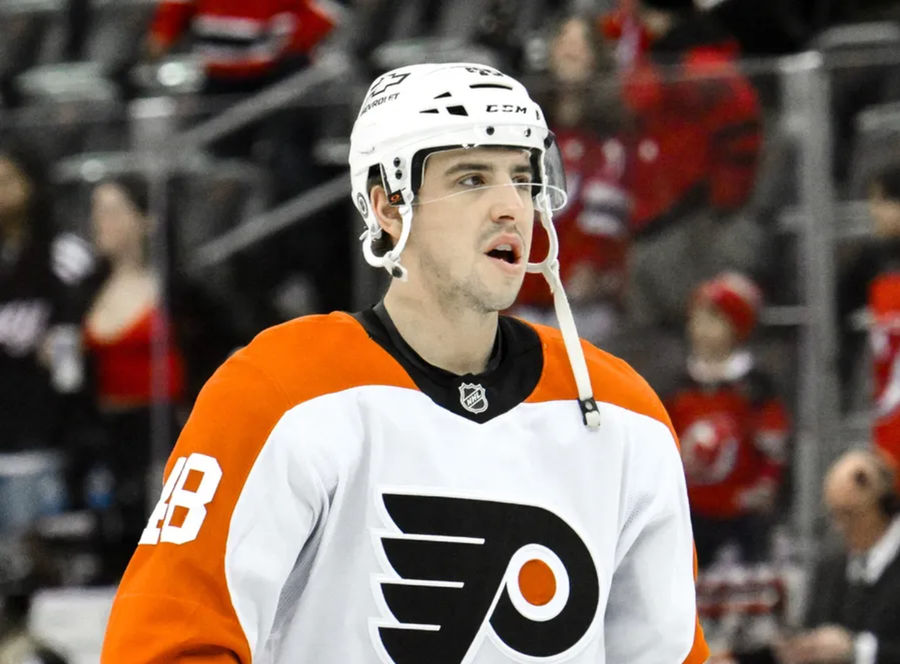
(384, 243)
(888, 180)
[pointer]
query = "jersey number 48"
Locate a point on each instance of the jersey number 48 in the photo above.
(186, 505)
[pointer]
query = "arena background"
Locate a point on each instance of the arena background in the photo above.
(253, 225)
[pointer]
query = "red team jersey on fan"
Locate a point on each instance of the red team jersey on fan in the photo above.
(696, 131)
(733, 437)
(239, 39)
(592, 228)
(884, 307)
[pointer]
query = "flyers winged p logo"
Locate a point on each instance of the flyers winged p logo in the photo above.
(461, 569)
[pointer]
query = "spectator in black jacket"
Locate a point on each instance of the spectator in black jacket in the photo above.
(854, 609)
(42, 276)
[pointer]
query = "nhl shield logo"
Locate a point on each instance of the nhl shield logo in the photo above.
(472, 397)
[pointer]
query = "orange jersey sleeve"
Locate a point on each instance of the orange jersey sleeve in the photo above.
(175, 602)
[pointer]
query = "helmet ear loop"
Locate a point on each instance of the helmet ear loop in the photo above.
(391, 259)
(368, 237)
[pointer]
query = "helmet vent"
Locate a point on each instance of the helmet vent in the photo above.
(457, 110)
(442, 95)
(476, 86)
(430, 110)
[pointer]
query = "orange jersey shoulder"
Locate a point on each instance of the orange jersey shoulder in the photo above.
(613, 380)
(316, 355)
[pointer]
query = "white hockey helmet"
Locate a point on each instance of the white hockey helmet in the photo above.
(413, 111)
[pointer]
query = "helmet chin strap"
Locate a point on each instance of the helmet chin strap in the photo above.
(549, 267)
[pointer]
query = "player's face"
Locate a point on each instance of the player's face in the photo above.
(711, 334)
(472, 227)
(118, 226)
(14, 190)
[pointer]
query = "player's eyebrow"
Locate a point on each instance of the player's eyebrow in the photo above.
(468, 166)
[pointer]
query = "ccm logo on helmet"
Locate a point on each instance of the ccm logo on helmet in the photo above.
(505, 108)
(463, 568)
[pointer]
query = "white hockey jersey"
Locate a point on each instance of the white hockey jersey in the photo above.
(333, 499)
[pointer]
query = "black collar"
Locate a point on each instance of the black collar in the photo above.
(513, 370)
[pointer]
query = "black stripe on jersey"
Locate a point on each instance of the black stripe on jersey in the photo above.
(513, 370)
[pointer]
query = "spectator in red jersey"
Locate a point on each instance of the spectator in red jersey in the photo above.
(732, 426)
(693, 154)
(873, 282)
(128, 313)
(592, 227)
(244, 45)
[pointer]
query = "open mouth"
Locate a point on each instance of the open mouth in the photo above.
(504, 253)
(506, 248)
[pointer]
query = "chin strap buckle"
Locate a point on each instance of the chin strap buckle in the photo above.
(589, 412)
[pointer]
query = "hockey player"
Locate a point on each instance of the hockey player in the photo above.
(425, 481)
(733, 427)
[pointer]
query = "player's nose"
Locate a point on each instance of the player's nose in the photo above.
(508, 201)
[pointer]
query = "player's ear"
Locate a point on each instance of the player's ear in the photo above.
(388, 216)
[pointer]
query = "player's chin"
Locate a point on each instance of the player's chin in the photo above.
(503, 298)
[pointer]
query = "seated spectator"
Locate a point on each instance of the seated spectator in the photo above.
(693, 154)
(854, 600)
(592, 227)
(732, 426)
(244, 45)
(134, 356)
(42, 279)
(874, 283)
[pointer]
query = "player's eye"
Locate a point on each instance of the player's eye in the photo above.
(473, 180)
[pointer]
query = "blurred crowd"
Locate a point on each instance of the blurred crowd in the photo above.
(677, 252)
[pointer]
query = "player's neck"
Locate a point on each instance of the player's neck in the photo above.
(454, 339)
